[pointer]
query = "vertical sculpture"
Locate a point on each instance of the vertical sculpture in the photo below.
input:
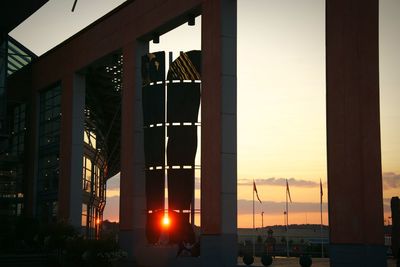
(182, 102)
(153, 103)
(182, 112)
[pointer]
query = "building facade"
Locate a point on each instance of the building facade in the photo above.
(31, 141)
(77, 89)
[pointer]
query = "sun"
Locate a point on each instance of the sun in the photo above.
(166, 221)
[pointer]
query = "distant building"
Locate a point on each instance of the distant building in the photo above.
(297, 233)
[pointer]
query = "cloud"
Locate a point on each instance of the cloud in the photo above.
(386, 205)
(246, 206)
(111, 210)
(279, 182)
(114, 192)
(390, 180)
(113, 185)
(113, 182)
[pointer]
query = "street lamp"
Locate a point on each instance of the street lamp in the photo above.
(262, 219)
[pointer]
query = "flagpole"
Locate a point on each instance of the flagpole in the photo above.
(254, 232)
(322, 242)
(287, 221)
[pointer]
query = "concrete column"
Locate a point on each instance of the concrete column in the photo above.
(71, 149)
(353, 134)
(132, 216)
(218, 133)
(395, 208)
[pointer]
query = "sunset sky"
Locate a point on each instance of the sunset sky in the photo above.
(281, 97)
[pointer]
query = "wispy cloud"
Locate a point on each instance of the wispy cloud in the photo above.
(390, 180)
(279, 182)
(246, 206)
(113, 182)
(112, 192)
(111, 211)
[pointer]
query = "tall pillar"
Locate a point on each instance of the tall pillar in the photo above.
(353, 134)
(132, 216)
(395, 208)
(71, 149)
(218, 133)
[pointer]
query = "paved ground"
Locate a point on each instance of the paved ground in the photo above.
(294, 262)
(288, 262)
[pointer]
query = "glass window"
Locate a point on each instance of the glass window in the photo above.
(89, 138)
(84, 220)
(87, 174)
(19, 209)
(18, 130)
(84, 214)
(48, 150)
(54, 209)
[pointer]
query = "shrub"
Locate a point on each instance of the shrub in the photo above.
(266, 259)
(248, 259)
(305, 261)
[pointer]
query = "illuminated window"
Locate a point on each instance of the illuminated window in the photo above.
(87, 174)
(84, 214)
(89, 138)
(85, 137)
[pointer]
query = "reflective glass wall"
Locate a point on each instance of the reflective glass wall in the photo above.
(48, 153)
(93, 185)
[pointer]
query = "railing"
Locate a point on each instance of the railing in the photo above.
(298, 245)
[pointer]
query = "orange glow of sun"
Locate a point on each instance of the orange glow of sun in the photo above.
(165, 221)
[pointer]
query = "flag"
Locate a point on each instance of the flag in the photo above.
(320, 189)
(288, 191)
(255, 189)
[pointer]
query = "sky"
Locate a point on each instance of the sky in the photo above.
(281, 97)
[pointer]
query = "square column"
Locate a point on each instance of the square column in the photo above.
(218, 133)
(71, 149)
(132, 215)
(353, 134)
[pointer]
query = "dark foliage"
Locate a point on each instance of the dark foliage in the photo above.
(248, 259)
(305, 261)
(266, 259)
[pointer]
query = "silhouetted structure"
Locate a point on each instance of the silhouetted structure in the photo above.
(81, 88)
(395, 207)
(31, 155)
(182, 101)
(13, 134)
(183, 98)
